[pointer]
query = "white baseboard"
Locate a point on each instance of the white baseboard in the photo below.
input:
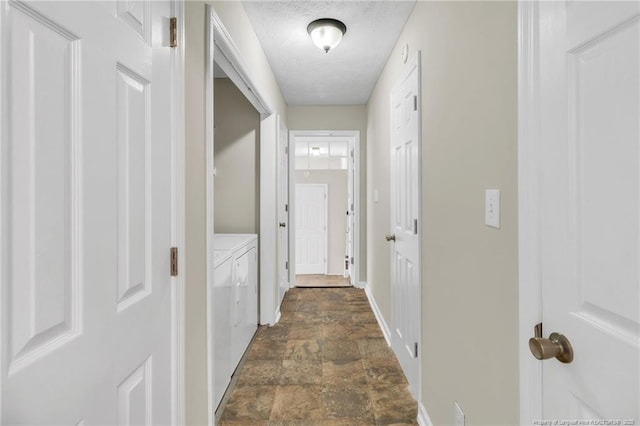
(423, 416)
(278, 315)
(374, 307)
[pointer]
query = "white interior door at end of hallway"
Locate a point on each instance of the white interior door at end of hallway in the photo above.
(405, 217)
(283, 208)
(85, 213)
(589, 207)
(311, 229)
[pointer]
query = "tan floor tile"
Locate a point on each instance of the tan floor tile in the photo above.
(363, 317)
(340, 350)
(343, 373)
(325, 363)
(395, 422)
(243, 423)
(347, 422)
(332, 331)
(366, 331)
(250, 403)
(384, 371)
(337, 317)
(295, 372)
(347, 403)
(374, 348)
(297, 403)
(393, 402)
(277, 332)
(260, 372)
(305, 332)
(303, 350)
(267, 349)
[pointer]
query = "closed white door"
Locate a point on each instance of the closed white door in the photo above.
(283, 208)
(405, 217)
(85, 214)
(350, 217)
(589, 191)
(311, 229)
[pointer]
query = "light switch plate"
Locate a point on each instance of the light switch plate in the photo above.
(375, 196)
(458, 415)
(492, 208)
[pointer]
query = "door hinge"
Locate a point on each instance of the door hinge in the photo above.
(353, 260)
(415, 350)
(353, 155)
(415, 226)
(173, 32)
(286, 265)
(537, 330)
(286, 208)
(415, 103)
(174, 261)
(286, 150)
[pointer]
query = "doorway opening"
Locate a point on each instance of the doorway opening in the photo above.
(325, 211)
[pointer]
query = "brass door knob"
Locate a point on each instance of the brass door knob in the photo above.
(390, 237)
(556, 346)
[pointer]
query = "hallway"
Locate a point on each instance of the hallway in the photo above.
(325, 363)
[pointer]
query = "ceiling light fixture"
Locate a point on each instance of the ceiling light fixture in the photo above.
(315, 151)
(326, 33)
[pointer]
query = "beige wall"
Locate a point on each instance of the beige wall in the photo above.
(336, 181)
(237, 161)
(340, 117)
(469, 138)
(237, 23)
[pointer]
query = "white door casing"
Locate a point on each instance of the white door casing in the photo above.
(579, 207)
(405, 222)
(283, 209)
(86, 213)
(311, 228)
(350, 216)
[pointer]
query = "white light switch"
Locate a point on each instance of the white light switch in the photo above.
(492, 208)
(376, 196)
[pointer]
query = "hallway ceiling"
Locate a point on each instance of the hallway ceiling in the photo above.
(347, 74)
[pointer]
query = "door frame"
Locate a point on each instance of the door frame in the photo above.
(529, 155)
(282, 130)
(221, 49)
(178, 225)
(354, 143)
(326, 220)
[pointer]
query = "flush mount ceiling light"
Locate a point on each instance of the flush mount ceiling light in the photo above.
(326, 33)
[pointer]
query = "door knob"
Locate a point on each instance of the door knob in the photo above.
(283, 225)
(556, 346)
(391, 237)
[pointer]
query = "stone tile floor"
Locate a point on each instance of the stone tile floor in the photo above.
(325, 363)
(315, 280)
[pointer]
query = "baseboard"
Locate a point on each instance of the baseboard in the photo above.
(361, 285)
(277, 319)
(423, 416)
(376, 311)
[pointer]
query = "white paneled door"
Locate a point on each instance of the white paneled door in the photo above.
(405, 217)
(311, 229)
(589, 191)
(85, 174)
(283, 209)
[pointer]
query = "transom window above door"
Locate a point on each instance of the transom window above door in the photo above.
(322, 154)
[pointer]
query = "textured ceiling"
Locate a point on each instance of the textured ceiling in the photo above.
(347, 74)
